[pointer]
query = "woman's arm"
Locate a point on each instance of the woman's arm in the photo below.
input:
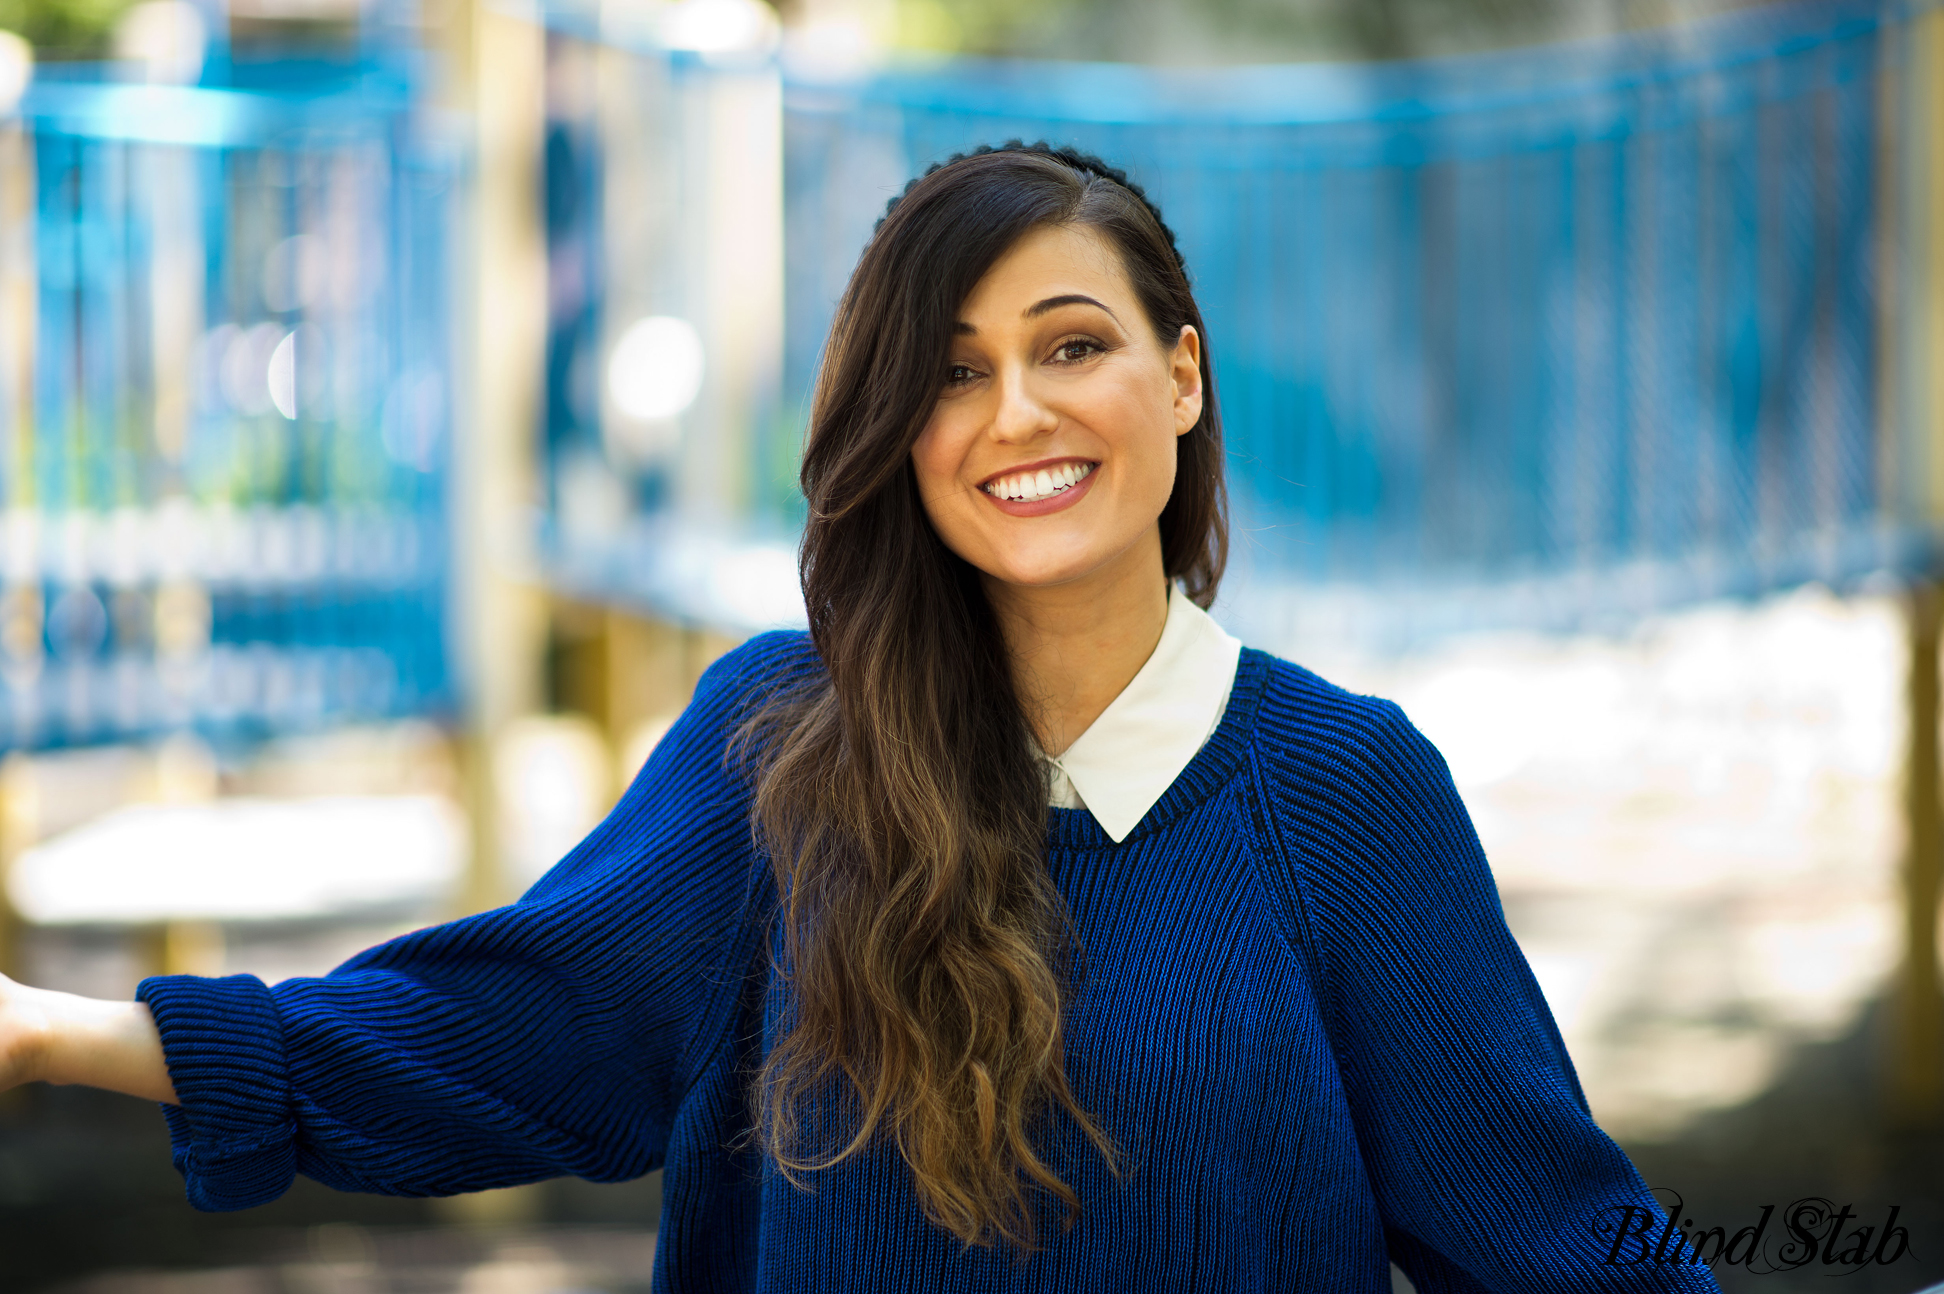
(558, 1035)
(60, 1038)
(1485, 1161)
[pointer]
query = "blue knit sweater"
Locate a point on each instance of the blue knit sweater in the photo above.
(1301, 1017)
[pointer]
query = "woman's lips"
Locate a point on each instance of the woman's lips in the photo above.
(1051, 503)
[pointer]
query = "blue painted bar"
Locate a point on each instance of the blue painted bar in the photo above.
(223, 487)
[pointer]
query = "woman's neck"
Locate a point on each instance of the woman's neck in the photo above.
(1076, 646)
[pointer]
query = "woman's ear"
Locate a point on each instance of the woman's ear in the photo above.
(1185, 369)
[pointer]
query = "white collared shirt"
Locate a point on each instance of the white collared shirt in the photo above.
(1128, 758)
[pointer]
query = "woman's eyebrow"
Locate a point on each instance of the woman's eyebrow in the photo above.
(1070, 299)
(1039, 308)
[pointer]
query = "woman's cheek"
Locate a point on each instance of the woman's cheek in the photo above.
(951, 512)
(1163, 459)
(934, 486)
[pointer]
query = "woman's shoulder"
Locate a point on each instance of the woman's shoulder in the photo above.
(758, 669)
(1360, 799)
(1339, 743)
(736, 687)
(777, 655)
(692, 783)
(1301, 705)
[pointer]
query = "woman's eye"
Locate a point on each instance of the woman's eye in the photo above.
(1072, 352)
(958, 375)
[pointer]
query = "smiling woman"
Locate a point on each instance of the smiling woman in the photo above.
(1075, 947)
(1009, 321)
(1054, 408)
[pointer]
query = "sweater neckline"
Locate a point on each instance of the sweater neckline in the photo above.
(1130, 755)
(1206, 773)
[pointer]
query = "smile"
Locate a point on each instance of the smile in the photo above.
(1028, 487)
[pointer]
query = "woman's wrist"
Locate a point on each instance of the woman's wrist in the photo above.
(93, 1043)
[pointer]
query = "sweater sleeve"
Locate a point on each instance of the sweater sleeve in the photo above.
(1480, 1147)
(555, 1036)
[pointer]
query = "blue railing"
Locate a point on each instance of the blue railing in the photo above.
(224, 409)
(1546, 337)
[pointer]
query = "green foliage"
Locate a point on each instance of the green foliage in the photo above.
(63, 28)
(1266, 31)
(999, 27)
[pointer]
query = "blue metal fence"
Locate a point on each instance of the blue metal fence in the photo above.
(669, 485)
(1550, 336)
(1599, 322)
(224, 408)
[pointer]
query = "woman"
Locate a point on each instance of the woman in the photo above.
(1016, 928)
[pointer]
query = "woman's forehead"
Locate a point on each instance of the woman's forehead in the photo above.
(1047, 263)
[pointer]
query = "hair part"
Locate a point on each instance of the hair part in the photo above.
(926, 951)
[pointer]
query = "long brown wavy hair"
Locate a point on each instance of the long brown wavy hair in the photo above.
(925, 948)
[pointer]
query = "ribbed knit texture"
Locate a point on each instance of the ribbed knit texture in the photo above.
(1299, 1012)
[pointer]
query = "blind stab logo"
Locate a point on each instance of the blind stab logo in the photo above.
(1811, 1231)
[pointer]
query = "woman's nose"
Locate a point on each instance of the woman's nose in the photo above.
(1021, 415)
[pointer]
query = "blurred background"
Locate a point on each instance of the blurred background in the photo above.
(400, 405)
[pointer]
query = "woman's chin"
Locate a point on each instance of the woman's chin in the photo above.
(1043, 574)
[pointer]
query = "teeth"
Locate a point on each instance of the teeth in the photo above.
(1028, 486)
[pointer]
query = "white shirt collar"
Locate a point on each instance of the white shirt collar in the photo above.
(1128, 758)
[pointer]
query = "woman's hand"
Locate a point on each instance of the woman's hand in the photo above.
(60, 1038)
(23, 1034)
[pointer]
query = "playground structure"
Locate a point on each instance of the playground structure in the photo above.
(225, 402)
(320, 408)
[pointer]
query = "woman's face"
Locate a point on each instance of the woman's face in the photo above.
(1051, 450)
